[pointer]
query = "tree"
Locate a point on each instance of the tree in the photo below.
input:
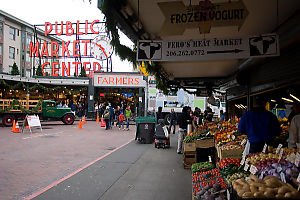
(15, 70)
(39, 71)
(82, 72)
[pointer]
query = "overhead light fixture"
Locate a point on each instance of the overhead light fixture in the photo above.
(273, 100)
(286, 99)
(295, 97)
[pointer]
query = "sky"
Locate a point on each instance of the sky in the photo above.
(41, 11)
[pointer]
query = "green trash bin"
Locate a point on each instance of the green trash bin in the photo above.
(145, 129)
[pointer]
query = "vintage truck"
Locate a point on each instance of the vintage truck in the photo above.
(18, 109)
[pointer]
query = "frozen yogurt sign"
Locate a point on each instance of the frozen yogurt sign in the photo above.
(98, 48)
(206, 14)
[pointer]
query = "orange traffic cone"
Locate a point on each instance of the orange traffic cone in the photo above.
(97, 120)
(27, 126)
(80, 125)
(102, 122)
(13, 127)
(17, 128)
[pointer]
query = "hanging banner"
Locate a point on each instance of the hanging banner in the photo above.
(203, 16)
(266, 45)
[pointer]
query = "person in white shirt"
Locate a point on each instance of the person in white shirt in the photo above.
(294, 131)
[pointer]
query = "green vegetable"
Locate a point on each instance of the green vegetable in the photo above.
(202, 167)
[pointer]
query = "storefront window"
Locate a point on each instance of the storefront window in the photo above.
(11, 52)
(12, 33)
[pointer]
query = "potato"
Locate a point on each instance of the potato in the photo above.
(253, 189)
(247, 195)
(284, 190)
(279, 196)
(255, 179)
(273, 183)
(259, 195)
(269, 194)
(295, 195)
(288, 195)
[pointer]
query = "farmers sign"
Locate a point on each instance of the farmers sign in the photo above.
(99, 47)
(179, 17)
(118, 80)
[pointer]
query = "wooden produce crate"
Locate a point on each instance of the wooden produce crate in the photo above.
(189, 158)
(230, 153)
(205, 143)
(189, 147)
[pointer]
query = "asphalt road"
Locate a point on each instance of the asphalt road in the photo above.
(31, 162)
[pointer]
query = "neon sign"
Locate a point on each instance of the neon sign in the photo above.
(99, 47)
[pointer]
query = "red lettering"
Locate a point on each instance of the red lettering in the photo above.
(137, 82)
(92, 24)
(99, 79)
(104, 80)
(69, 27)
(84, 65)
(120, 80)
(124, 83)
(75, 50)
(111, 80)
(86, 26)
(43, 65)
(130, 81)
(77, 29)
(35, 50)
(54, 69)
(76, 67)
(94, 66)
(44, 50)
(85, 46)
(46, 28)
(65, 48)
(65, 69)
(61, 28)
(54, 51)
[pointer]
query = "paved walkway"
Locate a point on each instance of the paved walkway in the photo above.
(133, 172)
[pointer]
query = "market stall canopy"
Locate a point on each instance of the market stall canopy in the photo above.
(177, 20)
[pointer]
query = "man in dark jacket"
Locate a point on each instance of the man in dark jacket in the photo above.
(261, 126)
(182, 122)
(173, 119)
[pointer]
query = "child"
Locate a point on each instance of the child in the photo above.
(121, 121)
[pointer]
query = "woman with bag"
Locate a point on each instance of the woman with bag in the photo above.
(106, 117)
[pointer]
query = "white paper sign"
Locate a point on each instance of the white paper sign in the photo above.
(208, 49)
(243, 142)
(297, 160)
(253, 169)
(280, 154)
(282, 176)
(265, 148)
(278, 148)
(243, 160)
(33, 121)
(298, 178)
(246, 167)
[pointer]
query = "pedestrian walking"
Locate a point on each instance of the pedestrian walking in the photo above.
(182, 122)
(106, 117)
(173, 119)
(117, 114)
(128, 115)
(112, 114)
(121, 121)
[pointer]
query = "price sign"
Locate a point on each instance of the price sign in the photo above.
(280, 154)
(297, 160)
(253, 169)
(278, 148)
(243, 160)
(246, 167)
(228, 194)
(233, 137)
(298, 178)
(243, 142)
(228, 136)
(265, 148)
(282, 176)
(261, 176)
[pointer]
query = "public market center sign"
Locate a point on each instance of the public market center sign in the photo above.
(179, 17)
(208, 49)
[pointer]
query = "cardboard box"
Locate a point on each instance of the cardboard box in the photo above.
(189, 147)
(205, 143)
(231, 153)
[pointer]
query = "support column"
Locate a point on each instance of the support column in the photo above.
(91, 100)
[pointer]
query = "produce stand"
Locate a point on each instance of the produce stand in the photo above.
(266, 175)
(145, 129)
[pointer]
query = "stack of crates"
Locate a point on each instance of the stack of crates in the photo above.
(189, 155)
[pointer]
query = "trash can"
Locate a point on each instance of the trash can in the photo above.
(145, 129)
